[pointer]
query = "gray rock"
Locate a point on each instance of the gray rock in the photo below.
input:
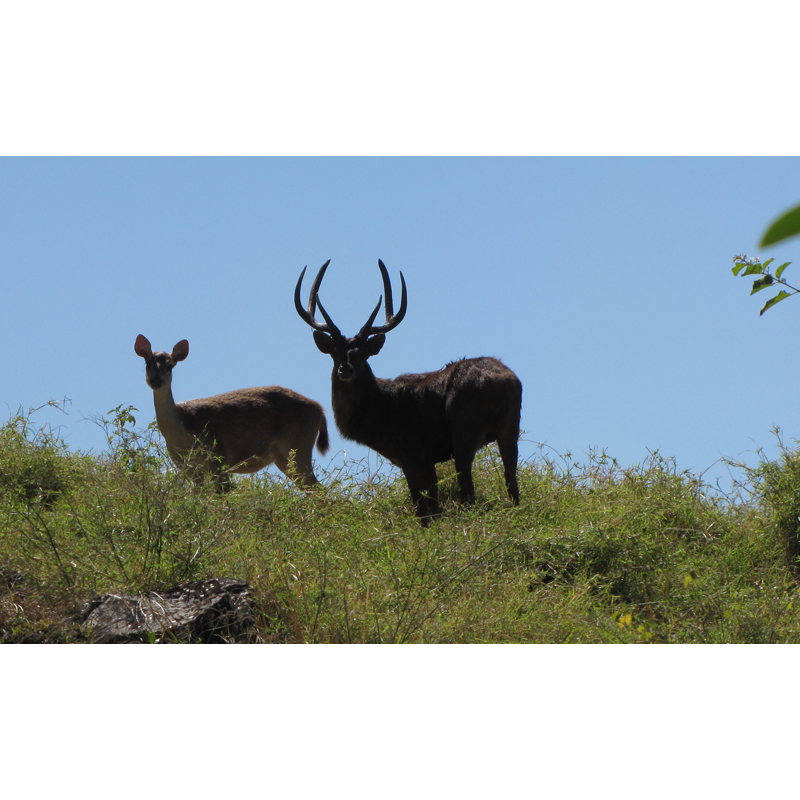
(214, 610)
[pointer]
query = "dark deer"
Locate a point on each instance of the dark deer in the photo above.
(417, 421)
(241, 431)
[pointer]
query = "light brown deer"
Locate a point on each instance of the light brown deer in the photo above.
(241, 431)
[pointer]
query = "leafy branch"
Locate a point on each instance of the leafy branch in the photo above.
(753, 266)
(786, 226)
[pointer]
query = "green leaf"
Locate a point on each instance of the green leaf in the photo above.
(781, 268)
(783, 228)
(753, 269)
(767, 262)
(737, 269)
(778, 297)
(761, 283)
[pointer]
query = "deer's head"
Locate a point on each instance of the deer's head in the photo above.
(350, 354)
(158, 365)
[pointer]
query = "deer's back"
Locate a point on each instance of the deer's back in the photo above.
(419, 415)
(484, 383)
(258, 414)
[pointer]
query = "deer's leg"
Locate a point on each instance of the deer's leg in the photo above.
(222, 478)
(211, 461)
(509, 452)
(467, 439)
(304, 475)
(300, 468)
(423, 485)
(464, 456)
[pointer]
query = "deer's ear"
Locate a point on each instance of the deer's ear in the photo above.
(324, 342)
(180, 351)
(373, 345)
(142, 347)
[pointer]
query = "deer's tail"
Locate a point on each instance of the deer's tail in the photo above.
(322, 438)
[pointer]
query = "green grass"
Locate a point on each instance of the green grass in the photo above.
(595, 552)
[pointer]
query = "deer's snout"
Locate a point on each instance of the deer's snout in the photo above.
(345, 372)
(154, 379)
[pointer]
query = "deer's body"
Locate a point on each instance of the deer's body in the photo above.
(427, 417)
(241, 431)
(419, 420)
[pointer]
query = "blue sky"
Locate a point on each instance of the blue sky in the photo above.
(603, 282)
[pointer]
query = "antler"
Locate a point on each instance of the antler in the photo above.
(308, 316)
(392, 319)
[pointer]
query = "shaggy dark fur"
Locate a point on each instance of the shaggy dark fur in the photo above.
(417, 421)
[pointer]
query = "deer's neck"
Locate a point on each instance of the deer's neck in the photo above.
(170, 421)
(357, 408)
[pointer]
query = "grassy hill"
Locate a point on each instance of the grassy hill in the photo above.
(595, 552)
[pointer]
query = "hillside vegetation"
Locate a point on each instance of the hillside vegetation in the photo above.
(595, 552)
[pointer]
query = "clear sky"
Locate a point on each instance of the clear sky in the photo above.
(604, 283)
